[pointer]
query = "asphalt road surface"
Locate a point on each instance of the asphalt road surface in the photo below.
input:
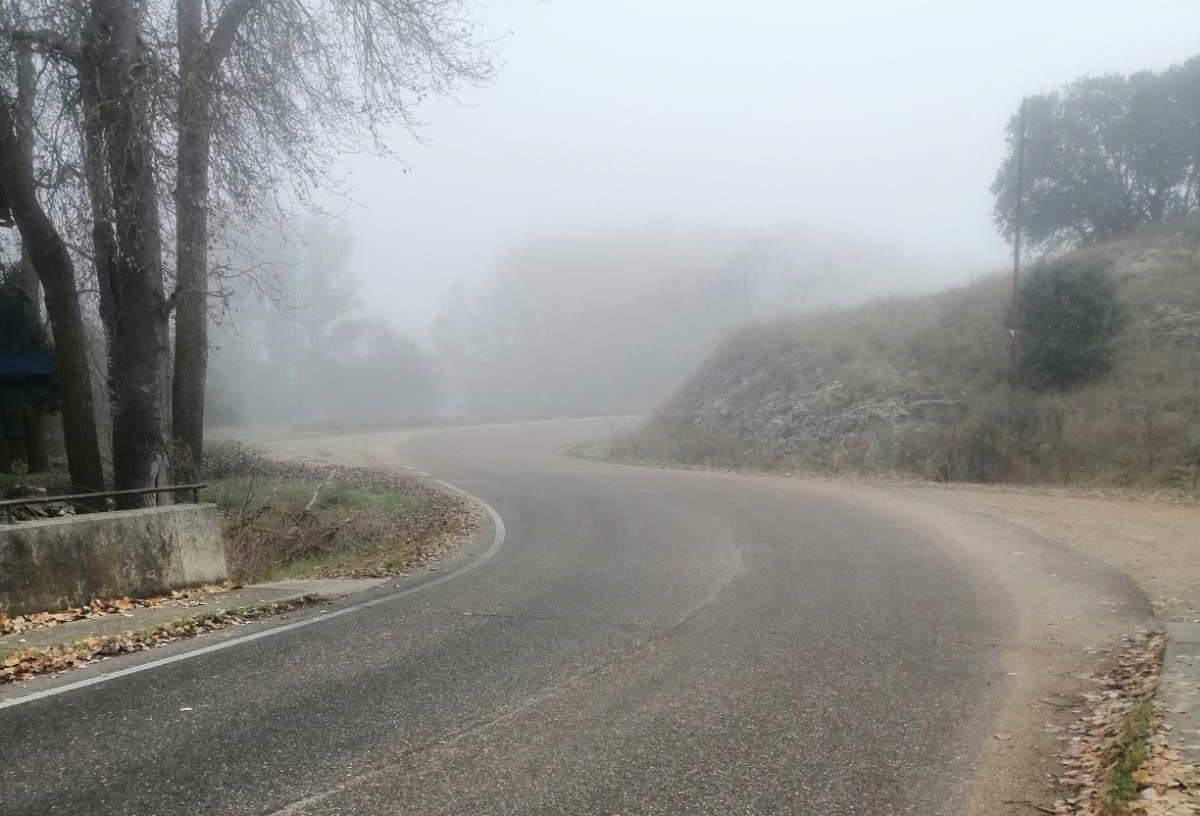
(642, 641)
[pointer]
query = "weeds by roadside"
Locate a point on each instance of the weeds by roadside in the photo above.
(296, 520)
(919, 386)
(1117, 760)
(1130, 753)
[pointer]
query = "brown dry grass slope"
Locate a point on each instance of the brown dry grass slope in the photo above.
(919, 386)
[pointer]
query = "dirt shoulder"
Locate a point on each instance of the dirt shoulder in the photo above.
(1156, 542)
(1151, 536)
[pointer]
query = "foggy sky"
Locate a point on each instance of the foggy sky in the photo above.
(882, 119)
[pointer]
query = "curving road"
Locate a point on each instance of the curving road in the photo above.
(643, 642)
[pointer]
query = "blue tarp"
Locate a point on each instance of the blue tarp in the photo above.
(21, 361)
(25, 368)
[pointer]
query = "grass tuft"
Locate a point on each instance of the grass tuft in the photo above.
(1129, 754)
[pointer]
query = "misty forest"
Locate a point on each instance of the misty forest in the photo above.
(168, 172)
(644, 407)
(168, 178)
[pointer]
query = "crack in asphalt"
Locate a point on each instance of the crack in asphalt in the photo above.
(558, 619)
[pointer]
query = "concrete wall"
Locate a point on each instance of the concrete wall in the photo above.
(55, 563)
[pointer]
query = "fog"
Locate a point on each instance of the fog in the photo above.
(634, 147)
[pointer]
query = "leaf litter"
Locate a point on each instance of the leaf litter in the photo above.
(1103, 745)
(103, 607)
(28, 662)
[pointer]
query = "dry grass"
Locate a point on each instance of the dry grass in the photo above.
(291, 519)
(919, 385)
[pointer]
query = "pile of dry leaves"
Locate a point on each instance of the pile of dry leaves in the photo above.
(99, 608)
(23, 664)
(1121, 742)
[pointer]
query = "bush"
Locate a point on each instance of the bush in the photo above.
(1070, 318)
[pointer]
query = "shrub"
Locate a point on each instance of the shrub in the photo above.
(1070, 317)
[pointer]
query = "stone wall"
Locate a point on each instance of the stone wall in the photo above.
(55, 563)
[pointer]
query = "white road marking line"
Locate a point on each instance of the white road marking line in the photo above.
(497, 541)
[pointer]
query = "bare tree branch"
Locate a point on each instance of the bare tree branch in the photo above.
(221, 40)
(44, 41)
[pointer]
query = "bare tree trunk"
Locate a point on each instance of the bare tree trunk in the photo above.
(199, 59)
(104, 240)
(140, 349)
(27, 279)
(191, 270)
(53, 264)
(6, 448)
(36, 457)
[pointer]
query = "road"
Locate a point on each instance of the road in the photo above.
(642, 641)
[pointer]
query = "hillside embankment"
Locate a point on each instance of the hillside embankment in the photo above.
(919, 386)
(915, 393)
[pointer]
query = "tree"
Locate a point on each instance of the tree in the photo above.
(1070, 320)
(250, 95)
(56, 270)
(95, 80)
(139, 327)
(1104, 155)
(311, 354)
(266, 87)
(25, 277)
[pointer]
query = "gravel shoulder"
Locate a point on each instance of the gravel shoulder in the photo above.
(1156, 542)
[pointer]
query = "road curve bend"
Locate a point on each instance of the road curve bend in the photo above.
(644, 642)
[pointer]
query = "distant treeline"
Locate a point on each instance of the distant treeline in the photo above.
(307, 354)
(613, 322)
(605, 322)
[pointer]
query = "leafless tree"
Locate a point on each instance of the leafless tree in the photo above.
(43, 242)
(270, 91)
(27, 279)
(194, 108)
(124, 76)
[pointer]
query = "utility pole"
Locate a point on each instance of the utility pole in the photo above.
(1015, 313)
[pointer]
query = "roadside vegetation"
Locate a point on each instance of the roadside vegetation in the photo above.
(920, 386)
(122, 190)
(1118, 759)
(1088, 374)
(1129, 755)
(286, 520)
(283, 520)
